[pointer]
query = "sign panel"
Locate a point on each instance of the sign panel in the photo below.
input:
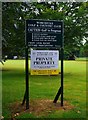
(42, 33)
(44, 62)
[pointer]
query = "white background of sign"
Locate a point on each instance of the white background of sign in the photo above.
(44, 59)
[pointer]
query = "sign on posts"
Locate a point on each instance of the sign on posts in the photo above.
(44, 62)
(44, 33)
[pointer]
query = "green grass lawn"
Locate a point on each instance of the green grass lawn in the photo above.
(45, 87)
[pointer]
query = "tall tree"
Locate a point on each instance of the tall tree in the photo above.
(74, 15)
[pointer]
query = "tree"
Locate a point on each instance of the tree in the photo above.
(12, 28)
(86, 49)
(74, 15)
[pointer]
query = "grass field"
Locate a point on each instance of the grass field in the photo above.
(45, 87)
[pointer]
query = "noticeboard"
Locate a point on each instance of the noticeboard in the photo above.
(44, 62)
(44, 33)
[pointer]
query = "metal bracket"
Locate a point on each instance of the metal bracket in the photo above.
(57, 95)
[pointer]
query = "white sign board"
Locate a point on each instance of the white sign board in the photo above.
(44, 62)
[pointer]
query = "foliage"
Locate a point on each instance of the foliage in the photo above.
(74, 15)
(86, 49)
